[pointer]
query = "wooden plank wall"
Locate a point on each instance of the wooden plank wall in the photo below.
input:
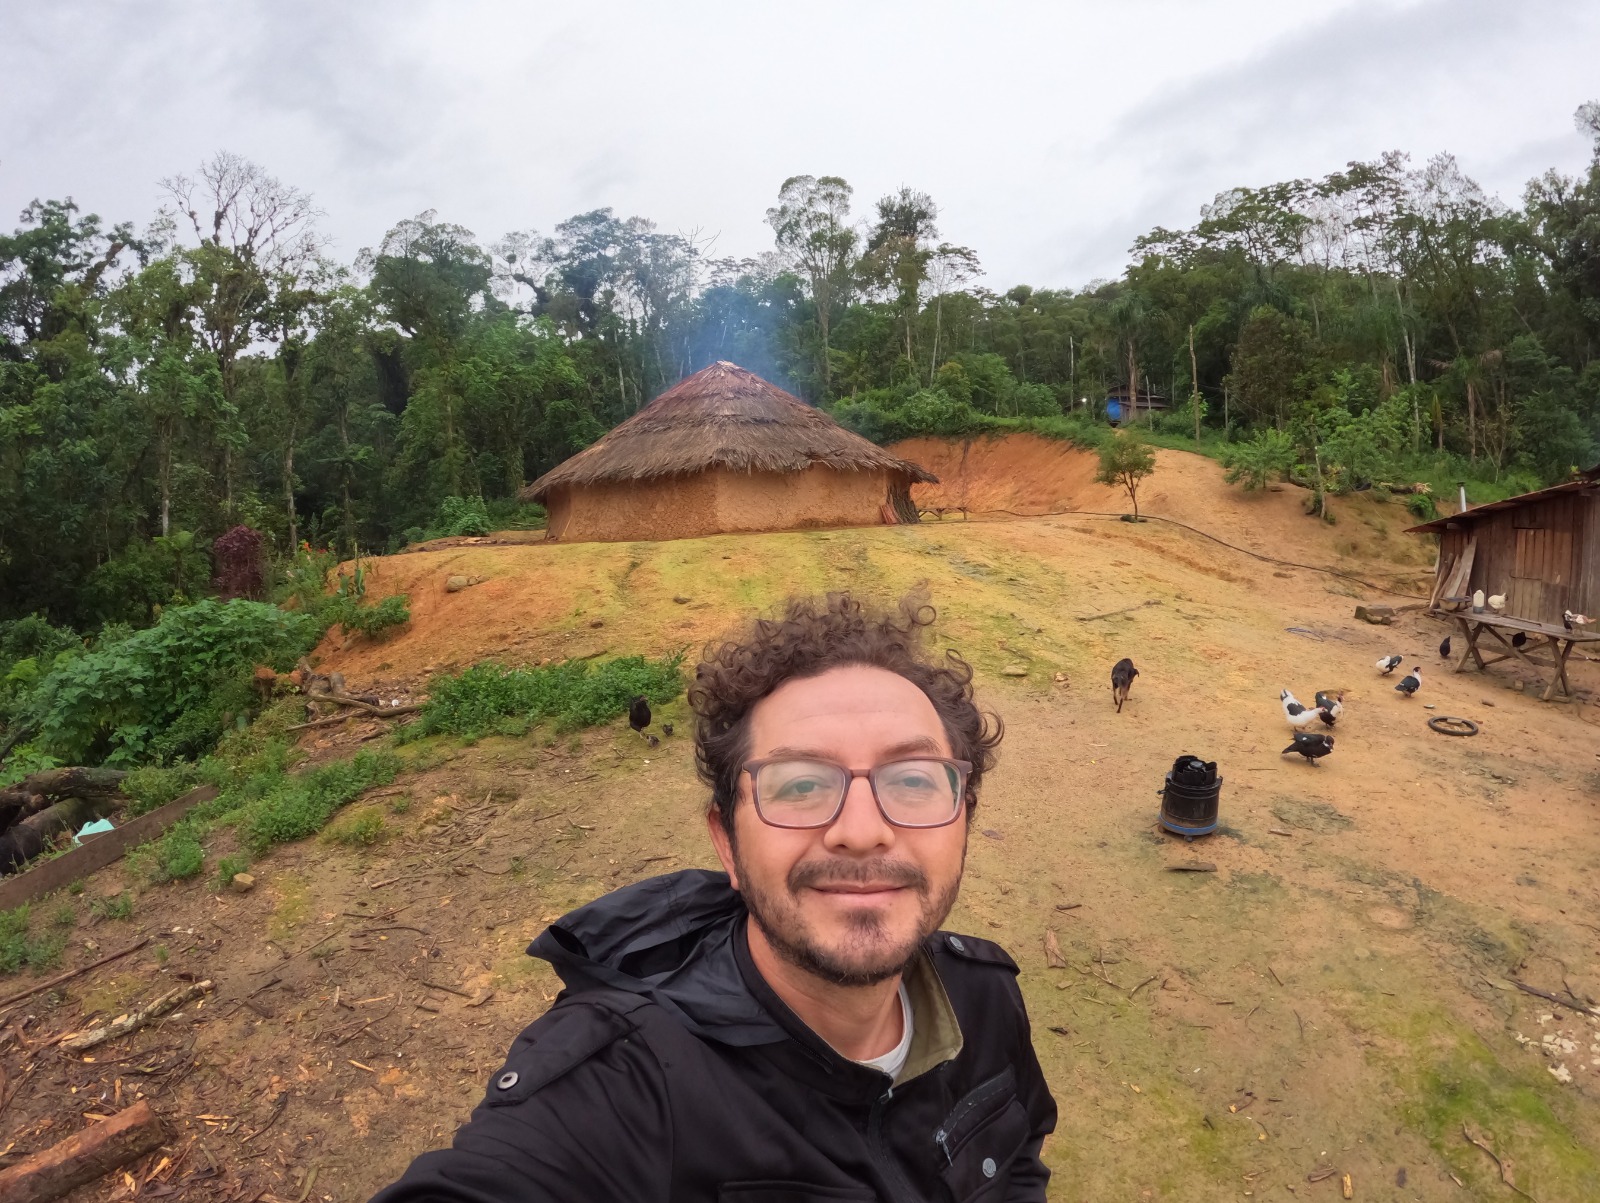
(1533, 555)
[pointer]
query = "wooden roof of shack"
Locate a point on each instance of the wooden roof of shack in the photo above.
(721, 417)
(1588, 480)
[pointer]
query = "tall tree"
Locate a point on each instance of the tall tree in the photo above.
(810, 224)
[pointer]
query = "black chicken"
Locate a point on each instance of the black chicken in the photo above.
(639, 714)
(1311, 745)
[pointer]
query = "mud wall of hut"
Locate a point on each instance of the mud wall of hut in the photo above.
(717, 502)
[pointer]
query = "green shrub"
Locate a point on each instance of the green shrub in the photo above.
(293, 807)
(156, 785)
(1254, 464)
(18, 947)
(490, 699)
(164, 691)
(462, 516)
(1422, 507)
(374, 621)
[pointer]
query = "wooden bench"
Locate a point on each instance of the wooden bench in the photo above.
(1542, 637)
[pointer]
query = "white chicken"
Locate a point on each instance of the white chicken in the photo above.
(1497, 602)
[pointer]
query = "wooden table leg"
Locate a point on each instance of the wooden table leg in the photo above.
(1469, 637)
(1561, 649)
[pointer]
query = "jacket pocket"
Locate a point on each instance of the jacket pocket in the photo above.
(790, 1192)
(981, 1137)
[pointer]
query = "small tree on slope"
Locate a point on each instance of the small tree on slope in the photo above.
(1126, 460)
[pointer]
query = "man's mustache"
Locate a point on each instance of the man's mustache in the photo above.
(821, 873)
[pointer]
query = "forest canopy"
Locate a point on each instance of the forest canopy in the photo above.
(217, 368)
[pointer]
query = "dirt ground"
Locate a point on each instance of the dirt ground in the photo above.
(1336, 996)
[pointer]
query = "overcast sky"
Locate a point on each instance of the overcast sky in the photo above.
(1051, 133)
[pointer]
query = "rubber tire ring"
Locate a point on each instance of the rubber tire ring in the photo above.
(1434, 724)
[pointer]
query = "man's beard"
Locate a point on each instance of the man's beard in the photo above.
(785, 926)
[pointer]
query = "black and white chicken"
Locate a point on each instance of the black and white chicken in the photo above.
(1410, 683)
(1311, 745)
(1388, 664)
(1330, 706)
(1300, 717)
(1570, 620)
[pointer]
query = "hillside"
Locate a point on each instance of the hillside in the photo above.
(1334, 995)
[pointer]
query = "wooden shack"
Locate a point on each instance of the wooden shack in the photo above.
(1143, 404)
(1540, 550)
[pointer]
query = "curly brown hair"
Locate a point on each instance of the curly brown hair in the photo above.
(811, 638)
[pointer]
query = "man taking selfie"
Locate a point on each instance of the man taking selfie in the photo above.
(797, 1028)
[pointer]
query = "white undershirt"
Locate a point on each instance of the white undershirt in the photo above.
(893, 1061)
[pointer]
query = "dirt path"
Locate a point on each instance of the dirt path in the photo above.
(1336, 997)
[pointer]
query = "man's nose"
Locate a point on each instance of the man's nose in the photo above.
(860, 825)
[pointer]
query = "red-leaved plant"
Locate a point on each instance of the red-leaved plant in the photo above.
(240, 560)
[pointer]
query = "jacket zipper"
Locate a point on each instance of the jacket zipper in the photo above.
(899, 1188)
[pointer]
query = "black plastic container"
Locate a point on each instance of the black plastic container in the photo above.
(1189, 800)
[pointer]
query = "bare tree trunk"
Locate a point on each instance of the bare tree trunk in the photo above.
(1194, 386)
(166, 484)
(288, 491)
(938, 317)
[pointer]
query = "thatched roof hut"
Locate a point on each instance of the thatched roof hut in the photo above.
(724, 450)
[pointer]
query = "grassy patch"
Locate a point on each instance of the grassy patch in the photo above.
(20, 948)
(292, 909)
(1517, 1109)
(113, 906)
(490, 699)
(228, 868)
(359, 829)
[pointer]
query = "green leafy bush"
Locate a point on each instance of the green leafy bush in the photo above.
(374, 621)
(156, 785)
(165, 690)
(1422, 507)
(1255, 463)
(462, 516)
(492, 699)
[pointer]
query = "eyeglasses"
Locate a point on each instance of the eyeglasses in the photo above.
(920, 792)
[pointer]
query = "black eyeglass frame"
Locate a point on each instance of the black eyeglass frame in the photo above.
(963, 767)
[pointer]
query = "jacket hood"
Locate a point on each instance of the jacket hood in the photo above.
(672, 939)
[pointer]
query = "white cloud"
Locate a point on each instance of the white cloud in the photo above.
(1050, 133)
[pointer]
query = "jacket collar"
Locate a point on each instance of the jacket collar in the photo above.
(935, 1038)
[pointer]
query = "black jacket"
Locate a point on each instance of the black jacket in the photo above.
(669, 1070)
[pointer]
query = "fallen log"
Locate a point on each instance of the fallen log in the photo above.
(83, 1156)
(25, 840)
(35, 793)
(372, 712)
(77, 1042)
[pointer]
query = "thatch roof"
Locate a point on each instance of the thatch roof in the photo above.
(721, 417)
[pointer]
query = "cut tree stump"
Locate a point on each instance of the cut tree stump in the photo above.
(83, 1157)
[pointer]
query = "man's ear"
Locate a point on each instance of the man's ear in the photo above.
(722, 841)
